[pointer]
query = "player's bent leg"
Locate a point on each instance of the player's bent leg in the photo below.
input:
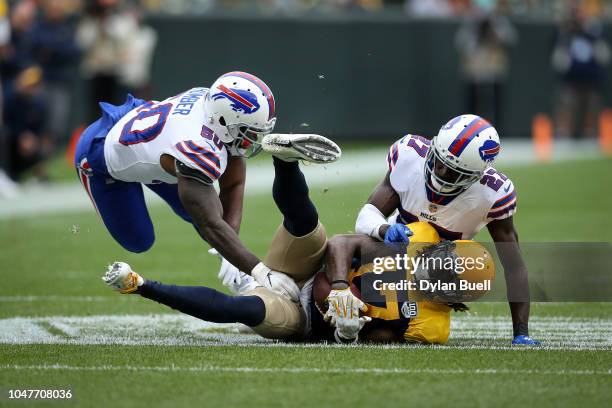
(267, 313)
(197, 301)
(299, 244)
(290, 193)
(123, 210)
(299, 257)
(121, 205)
(283, 319)
(312, 148)
(206, 303)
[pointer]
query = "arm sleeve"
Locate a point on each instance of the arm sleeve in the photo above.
(505, 202)
(369, 221)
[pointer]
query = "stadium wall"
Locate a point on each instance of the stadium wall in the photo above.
(353, 77)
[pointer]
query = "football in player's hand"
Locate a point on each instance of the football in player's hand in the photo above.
(321, 288)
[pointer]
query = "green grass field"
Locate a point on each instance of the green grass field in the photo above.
(126, 351)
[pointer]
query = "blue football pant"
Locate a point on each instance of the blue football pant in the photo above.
(123, 209)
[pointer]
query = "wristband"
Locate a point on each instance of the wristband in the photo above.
(341, 281)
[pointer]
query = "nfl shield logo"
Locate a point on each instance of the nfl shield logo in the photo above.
(409, 309)
(433, 208)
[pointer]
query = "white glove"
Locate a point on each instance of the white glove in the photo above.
(276, 281)
(342, 303)
(228, 273)
(343, 312)
(347, 330)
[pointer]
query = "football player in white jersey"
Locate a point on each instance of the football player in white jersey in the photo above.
(449, 182)
(178, 148)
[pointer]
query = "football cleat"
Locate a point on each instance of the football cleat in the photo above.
(310, 148)
(122, 278)
(524, 341)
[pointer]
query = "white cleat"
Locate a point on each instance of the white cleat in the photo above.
(122, 278)
(311, 148)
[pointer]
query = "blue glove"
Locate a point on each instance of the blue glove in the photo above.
(397, 233)
(525, 340)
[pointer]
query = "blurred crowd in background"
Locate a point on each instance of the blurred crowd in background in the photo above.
(417, 8)
(46, 44)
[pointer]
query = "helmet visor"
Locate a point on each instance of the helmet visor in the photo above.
(247, 139)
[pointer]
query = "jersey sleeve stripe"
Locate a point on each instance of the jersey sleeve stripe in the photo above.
(196, 159)
(209, 157)
(392, 156)
(505, 200)
(503, 211)
(212, 156)
(509, 203)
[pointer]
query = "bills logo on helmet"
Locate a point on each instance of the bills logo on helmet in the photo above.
(242, 100)
(489, 150)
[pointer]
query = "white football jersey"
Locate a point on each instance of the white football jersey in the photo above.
(459, 217)
(174, 126)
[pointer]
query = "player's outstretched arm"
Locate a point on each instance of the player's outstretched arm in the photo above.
(343, 306)
(231, 191)
(505, 237)
(372, 219)
(203, 204)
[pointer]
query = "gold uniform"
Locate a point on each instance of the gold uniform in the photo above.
(415, 321)
(300, 258)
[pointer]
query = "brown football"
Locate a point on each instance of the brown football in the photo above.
(321, 288)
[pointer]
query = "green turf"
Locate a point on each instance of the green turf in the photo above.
(316, 389)
(44, 255)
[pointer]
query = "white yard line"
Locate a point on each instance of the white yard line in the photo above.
(303, 370)
(354, 167)
(467, 332)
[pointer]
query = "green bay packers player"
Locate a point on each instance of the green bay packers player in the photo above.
(393, 315)
(450, 182)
